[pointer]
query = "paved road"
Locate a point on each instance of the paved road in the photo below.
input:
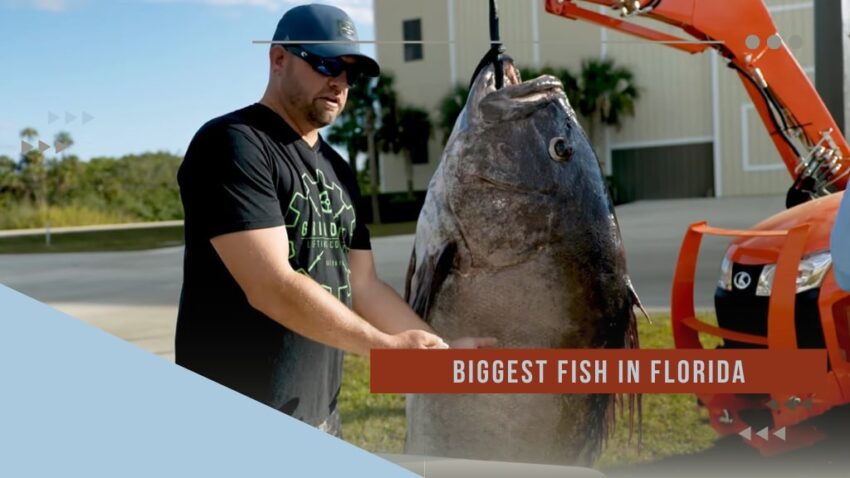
(134, 294)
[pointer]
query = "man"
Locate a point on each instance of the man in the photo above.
(276, 256)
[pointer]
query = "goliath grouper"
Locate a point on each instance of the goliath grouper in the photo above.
(518, 240)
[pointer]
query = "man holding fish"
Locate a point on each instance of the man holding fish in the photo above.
(279, 278)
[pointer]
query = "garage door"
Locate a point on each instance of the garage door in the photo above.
(663, 172)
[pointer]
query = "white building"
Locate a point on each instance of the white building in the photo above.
(695, 131)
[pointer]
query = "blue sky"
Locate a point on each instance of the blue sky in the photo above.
(149, 72)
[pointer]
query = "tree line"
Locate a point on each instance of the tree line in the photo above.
(37, 190)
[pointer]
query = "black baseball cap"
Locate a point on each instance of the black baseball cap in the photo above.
(306, 24)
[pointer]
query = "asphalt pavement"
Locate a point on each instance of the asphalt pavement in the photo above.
(134, 295)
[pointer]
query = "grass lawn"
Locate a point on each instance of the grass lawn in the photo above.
(395, 229)
(134, 239)
(95, 241)
(672, 424)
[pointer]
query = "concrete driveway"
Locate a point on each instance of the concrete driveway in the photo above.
(134, 295)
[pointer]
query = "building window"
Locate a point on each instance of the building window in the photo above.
(412, 32)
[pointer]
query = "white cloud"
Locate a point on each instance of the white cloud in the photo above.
(51, 5)
(359, 10)
(43, 5)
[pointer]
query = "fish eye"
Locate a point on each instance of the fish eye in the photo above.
(559, 150)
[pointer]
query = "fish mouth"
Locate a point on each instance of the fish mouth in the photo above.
(518, 90)
(517, 99)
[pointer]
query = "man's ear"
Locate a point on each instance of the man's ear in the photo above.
(277, 57)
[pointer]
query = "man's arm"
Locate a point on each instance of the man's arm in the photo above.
(381, 305)
(376, 301)
(258, 260)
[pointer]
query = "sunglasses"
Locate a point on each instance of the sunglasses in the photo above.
(331, 67)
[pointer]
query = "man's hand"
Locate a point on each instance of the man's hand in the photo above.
(417, 339)
(473, 342)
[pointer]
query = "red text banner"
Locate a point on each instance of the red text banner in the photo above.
(598, 371)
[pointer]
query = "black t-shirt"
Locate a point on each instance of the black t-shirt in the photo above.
(249, 170)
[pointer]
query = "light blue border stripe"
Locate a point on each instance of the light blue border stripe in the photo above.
(76, 401)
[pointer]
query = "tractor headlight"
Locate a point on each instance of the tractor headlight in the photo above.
(725, 281)
(810, 275)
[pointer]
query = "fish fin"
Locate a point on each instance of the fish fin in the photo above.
(429, 276)
(633, 342)
(636, 302)
(411, 268)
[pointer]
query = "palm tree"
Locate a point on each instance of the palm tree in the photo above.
(33, 168)
(450, 107)
(63, 177)
(415, 128)
(10, 187)
(348, 133)
(29, 134)
(62, 141)
(34, 174)
(406, 130)
(363, 127)
(608, 93)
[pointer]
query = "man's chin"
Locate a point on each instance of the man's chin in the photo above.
(320, 120)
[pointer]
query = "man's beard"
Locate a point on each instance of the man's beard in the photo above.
(321, 117)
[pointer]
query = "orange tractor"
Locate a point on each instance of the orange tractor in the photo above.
(776, 288)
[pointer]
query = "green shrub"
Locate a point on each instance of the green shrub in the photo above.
(26, 215)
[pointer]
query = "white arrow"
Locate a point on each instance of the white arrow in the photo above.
(42, 146)
(780, 433)
(763, 434)
(69, 117)
(87, 117)
(746, 433)
(51, 117)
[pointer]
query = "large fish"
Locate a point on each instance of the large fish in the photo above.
(518, 240)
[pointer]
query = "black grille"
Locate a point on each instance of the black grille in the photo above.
(741, 310)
